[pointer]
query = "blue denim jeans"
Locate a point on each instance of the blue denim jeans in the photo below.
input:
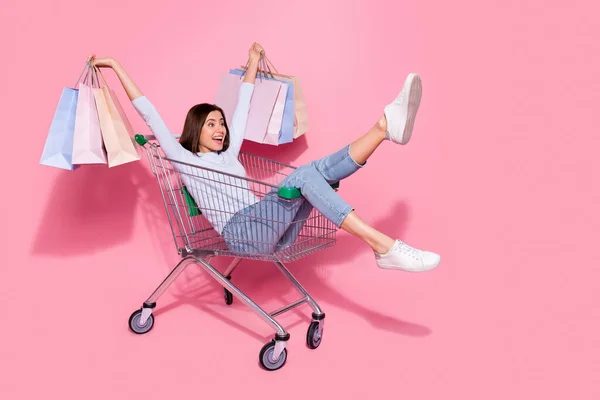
(274, 223)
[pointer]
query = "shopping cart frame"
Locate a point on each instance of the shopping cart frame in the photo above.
(197, 243)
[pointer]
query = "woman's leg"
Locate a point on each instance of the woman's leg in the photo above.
(257, 229)
(396, 125)
(379, 242)
(291, 234)
(338, 166)
(389, 253)
(260, 228)
(334, 168)
(352, 157)
(363, 147)
(316, 190)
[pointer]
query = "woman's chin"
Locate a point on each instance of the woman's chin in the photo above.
(216, 145)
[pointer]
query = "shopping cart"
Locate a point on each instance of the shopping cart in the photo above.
(198, 242)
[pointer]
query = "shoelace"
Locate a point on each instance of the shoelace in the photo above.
(411, 251)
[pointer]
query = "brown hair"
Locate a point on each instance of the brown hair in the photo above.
(194, 121)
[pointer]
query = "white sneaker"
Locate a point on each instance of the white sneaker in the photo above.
(401, 113)
(402, 256)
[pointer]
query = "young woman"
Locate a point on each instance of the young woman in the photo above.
(208, 142)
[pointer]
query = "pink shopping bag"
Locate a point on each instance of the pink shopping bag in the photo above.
(262, 105)
(301, 122)
(88, 147)
(116, 129)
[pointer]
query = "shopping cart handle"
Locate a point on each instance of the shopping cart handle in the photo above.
(293, 193)
(141, 140)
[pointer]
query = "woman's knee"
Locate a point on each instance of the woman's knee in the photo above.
(305, 173)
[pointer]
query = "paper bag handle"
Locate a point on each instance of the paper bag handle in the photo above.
(263, 68)
(87, 65)
(268, 65)
(98, 72)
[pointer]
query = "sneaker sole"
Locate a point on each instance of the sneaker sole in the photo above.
(414, 101)
(412, 271)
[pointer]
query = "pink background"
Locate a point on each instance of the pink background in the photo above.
(500, 179)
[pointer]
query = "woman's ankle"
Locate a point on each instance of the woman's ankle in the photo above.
(384, 246)
(381, 125)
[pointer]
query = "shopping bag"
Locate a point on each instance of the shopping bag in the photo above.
(117, 132)
(58, 149)
(227, 94)
(88, 147)
(273, 135)
(301, 122)
(286, 95)
(262, 105)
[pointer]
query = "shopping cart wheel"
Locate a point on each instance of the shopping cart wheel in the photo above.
(227, 294)
(314, 336)
(136, 326)
(228, 297)
(266, 357)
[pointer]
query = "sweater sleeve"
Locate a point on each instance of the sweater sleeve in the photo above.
(240, 118)
(169, 144)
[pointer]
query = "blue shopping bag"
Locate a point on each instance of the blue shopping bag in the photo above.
(286, 134)
(58, 150)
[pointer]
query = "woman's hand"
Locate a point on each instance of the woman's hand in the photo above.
(255, 52)
(133, 92)
(106, 62)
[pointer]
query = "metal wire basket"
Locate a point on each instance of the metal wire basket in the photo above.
(198, 242)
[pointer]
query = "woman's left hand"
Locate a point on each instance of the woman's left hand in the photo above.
(103, 62)
(255, 52)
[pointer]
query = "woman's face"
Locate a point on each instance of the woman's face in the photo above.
(213, 133)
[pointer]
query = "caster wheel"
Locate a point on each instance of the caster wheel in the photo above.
(313, 336)
(136, 326)
(227, 295)
(266, 360)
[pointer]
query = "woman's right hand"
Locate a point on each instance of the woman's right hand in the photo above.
(104, 62)
(255, 52)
